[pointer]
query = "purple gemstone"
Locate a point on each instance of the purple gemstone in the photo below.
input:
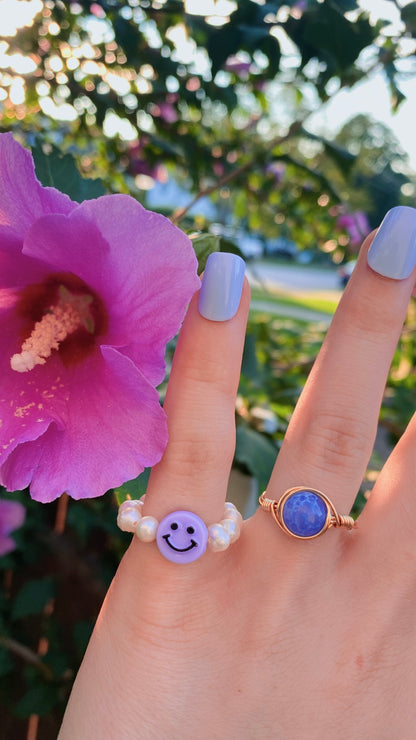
(305, 513)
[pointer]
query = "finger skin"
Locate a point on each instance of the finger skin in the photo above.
(231, 648)
(390, 514)
(332, 431)
(200, 407)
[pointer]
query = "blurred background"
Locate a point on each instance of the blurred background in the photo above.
(282, 131)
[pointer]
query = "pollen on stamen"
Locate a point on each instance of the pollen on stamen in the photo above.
(71, 313)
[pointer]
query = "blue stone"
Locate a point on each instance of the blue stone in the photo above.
(304, 513)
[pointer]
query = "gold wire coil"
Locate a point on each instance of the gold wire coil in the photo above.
(333, 519)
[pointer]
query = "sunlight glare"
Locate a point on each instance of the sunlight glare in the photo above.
(114, 125)
(17, 93)
(17, 62)
(221, 8)
(15, 14)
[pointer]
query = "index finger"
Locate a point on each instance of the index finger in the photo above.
(200, 399)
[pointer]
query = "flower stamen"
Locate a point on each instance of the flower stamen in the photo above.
(72, 312)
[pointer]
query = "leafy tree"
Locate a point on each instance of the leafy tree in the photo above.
(134, 87)
(140, 90)
(380, 168)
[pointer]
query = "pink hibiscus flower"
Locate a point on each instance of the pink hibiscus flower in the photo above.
(89, 295)
(12, 516)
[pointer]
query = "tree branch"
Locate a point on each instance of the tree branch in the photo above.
(28, 655)
(179, 214)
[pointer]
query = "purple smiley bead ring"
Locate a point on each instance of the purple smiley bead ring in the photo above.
(181, 536)
(304, 513)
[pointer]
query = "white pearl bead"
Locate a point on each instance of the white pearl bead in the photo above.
(218, 538)
(235, 516)
(147, 528)
(232, 528)
(130, 504)
(128, 518)
(229, 506)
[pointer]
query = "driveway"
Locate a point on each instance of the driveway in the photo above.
(295, 279)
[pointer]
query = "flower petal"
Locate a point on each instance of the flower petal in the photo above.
(143, 268)
(6, 545)
(12, 516)
(28, 401)
(157, 276)
(115, 429)
(17, 270)
(22, 197)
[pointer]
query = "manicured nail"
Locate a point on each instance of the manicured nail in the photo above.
(393, 250)
(221, 286)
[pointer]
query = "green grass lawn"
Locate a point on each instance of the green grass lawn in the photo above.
(312, 303)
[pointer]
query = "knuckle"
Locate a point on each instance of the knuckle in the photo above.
(192, 455)
(337, 442)
(372, 317)
(211, 374)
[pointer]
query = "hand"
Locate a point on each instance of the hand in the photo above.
(274, 637)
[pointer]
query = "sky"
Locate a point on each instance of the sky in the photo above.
(372, 97)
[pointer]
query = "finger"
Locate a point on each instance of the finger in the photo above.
(200, 400)
(388, 520)
(332, 431)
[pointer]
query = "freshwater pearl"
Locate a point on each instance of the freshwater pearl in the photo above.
(146, 528)
(229, 506)
(232, 528)
(234, 515)
(128, 518)
(131, 504)
(218, 538)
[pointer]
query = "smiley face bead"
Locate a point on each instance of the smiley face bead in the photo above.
(182, 537)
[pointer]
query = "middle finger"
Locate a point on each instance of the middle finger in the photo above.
(331, 434)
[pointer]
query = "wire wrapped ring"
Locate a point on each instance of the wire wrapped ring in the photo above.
(305, 513)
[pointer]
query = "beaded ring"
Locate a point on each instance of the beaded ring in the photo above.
(181, 536)
(305, 513)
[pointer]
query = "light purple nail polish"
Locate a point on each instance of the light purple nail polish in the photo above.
(393, 250)
(221, 287)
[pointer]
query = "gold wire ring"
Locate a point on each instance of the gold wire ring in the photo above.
(305, 513)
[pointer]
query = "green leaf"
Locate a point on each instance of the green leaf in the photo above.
(6, 662)
(271, 48)
(253, 35)
(408, 15)
(397, 96)
(133, 489)
(323, 32)
(33, 597)
(223, 43)
(60, 171)
(229, 246)
(81, 634)
(40, 699)
(343, 6)
(250, 366)
(128, 36)
(204, 245)
(256, 452)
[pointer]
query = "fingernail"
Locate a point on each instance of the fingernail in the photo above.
(393, 250)
(221, 286)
